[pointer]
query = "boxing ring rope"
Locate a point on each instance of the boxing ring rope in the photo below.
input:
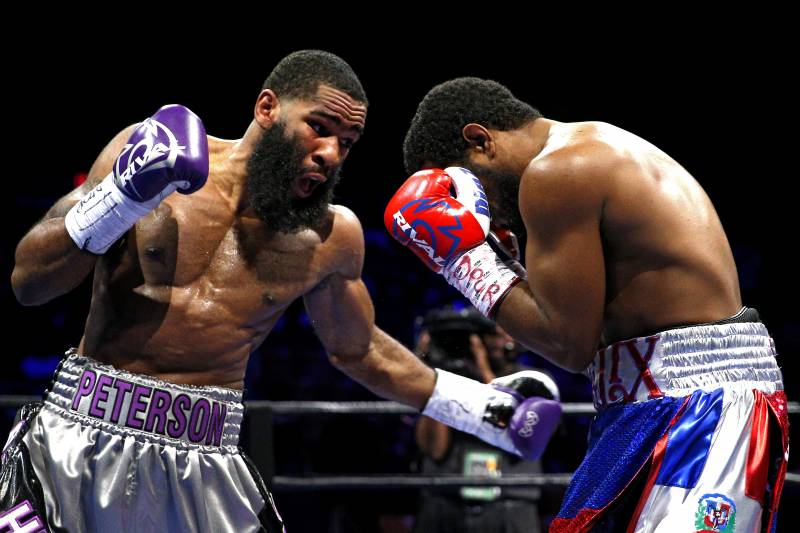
(258, 429)
(415, 481)
(385, 408)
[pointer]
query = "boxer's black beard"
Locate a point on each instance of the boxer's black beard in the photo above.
(502, 191)
(274, 165)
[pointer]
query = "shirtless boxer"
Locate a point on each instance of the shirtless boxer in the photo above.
(197, 245)
(630, 277)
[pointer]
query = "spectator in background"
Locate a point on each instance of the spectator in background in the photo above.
(466, 343)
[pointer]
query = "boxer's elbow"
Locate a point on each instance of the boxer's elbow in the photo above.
(349, 358)
(574, 360)
(572, 342)
(571, 353)
(346, 361)
(36, 286)
(27, 291)
(44, 271)
(347, 343)
(364, 369)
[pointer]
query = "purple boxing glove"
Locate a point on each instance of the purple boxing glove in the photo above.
(531, 415)
(533, 423)
(517, 413)
(166, 152)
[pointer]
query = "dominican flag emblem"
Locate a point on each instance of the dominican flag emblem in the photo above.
(715, 512)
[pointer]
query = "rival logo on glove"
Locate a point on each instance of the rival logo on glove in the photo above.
(150, 153)
(412, 234)
(438, 214)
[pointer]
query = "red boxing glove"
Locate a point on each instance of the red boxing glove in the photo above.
(425, 216)
(449, 234)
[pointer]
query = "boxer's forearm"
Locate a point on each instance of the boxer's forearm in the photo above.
(344, 319)
(544, 330)
(48, 263)
(389, 370)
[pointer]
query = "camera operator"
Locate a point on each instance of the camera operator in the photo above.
(467, 343)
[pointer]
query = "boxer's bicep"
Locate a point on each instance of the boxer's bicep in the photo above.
(343, 317)
(567, 273)
(47, 263)
(566, 270)
(341, 312)
(340, 307)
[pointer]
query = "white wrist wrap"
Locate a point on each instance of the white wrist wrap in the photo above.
(105, 214)
(481, 276)
(460, 403)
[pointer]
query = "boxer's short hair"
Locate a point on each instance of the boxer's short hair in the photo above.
(299, 75)
(434, 136)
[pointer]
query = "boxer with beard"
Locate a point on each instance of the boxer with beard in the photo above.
(140, 429)
(197, 246)
(274, 165)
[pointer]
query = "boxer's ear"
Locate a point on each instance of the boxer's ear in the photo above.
(267, 108)
(479, 140)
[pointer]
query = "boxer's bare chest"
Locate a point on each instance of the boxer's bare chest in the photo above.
(192, 251)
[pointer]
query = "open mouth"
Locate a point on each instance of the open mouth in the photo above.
(305, 184)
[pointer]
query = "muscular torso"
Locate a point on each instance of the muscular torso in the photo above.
(666, 257)
(195, 286)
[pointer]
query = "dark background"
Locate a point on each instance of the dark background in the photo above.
(722, 105)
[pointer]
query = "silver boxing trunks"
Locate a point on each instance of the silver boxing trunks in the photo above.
(113, 451)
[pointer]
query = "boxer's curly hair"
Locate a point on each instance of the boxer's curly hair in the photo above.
(299, 74)
(435, 133)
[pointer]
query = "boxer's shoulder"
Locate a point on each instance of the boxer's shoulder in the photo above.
(583, 150)
(345, 242)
